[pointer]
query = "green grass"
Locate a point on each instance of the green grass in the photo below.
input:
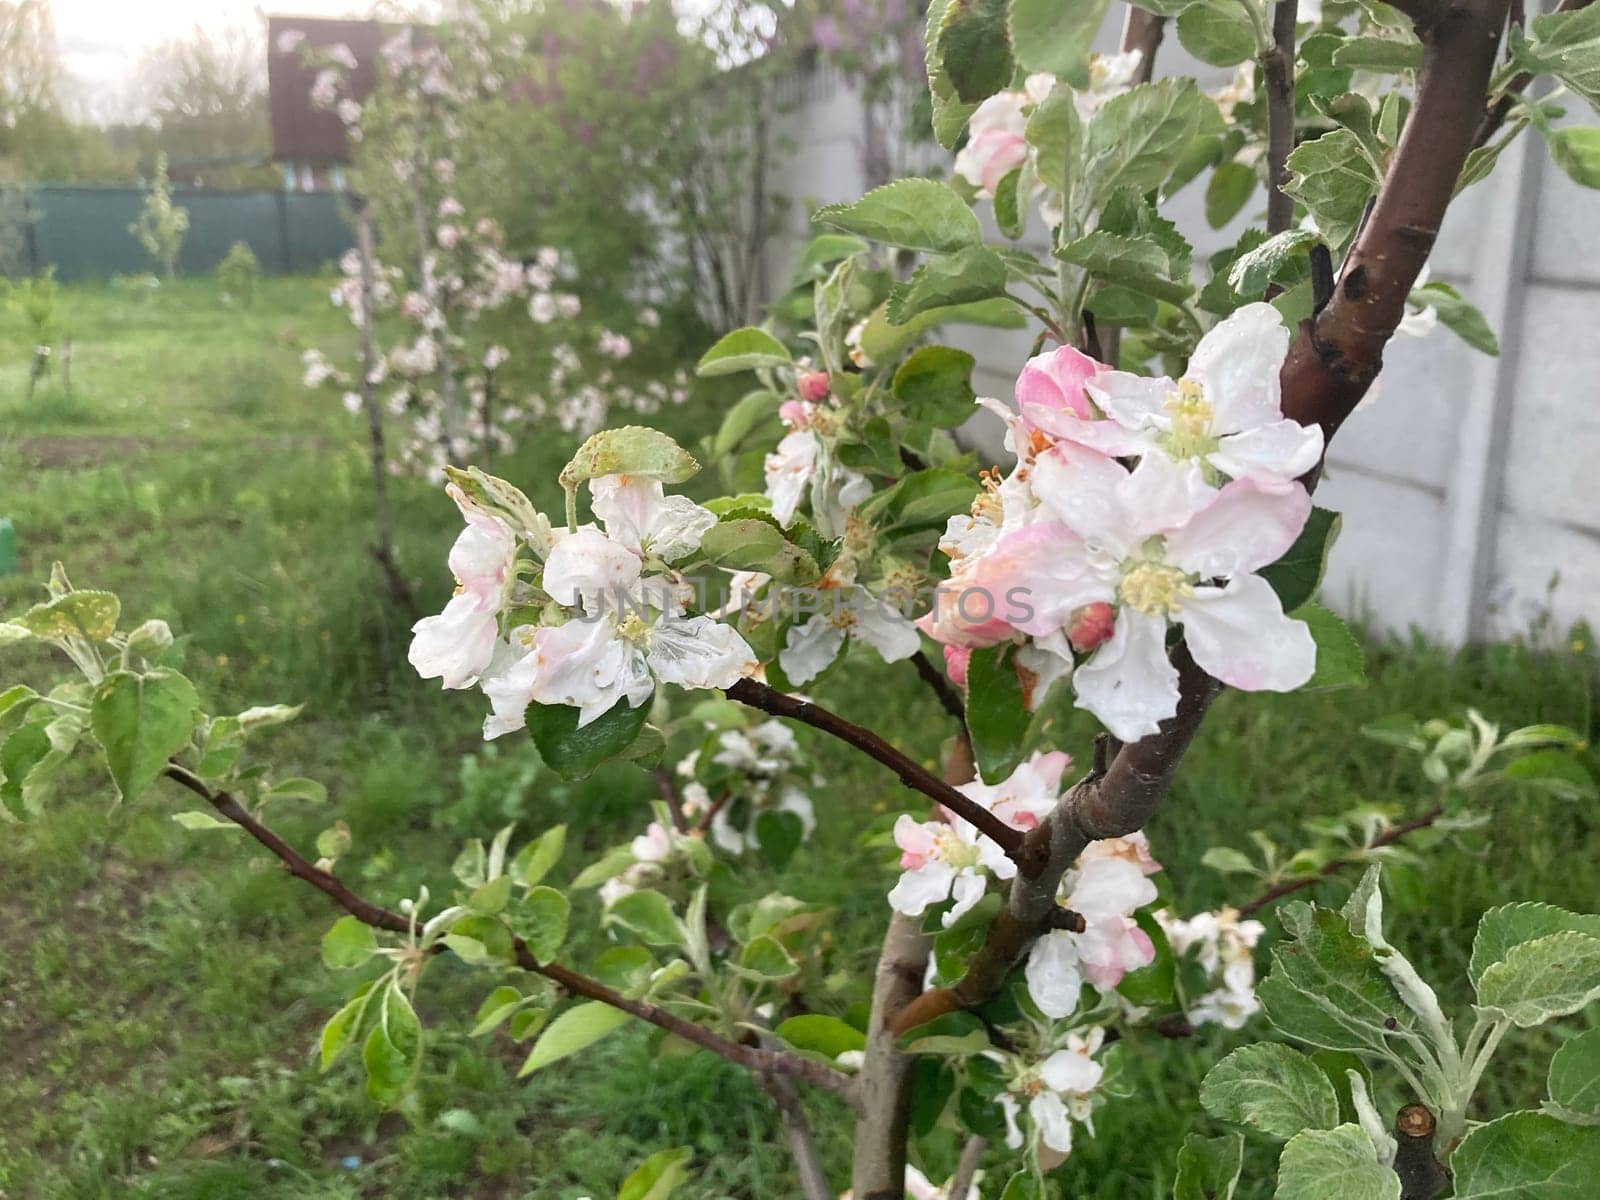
(160, 992)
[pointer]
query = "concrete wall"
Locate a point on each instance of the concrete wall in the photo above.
(1470, 485)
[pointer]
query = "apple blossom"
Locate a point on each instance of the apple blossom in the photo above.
(1223, 944)
(1225, 413)
(458, 645)
(1055, 1093)
(1028, 794)
(1105, 889)
(996, 142)
(849, 614)
(944, 860)
(812, 385)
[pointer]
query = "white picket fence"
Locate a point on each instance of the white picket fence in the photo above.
(1470, 485)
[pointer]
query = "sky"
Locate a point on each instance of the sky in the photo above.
(101, 40)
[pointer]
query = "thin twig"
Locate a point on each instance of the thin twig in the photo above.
(942, 687)
(1277, 71)
(802, 1142)
(1388, 837)
(967, 1167)
(753, 1058)
(912, 773)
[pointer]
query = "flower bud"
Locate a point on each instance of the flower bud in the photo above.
(1090, 625)
(812, 385)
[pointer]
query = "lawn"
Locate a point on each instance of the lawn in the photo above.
(161, 992)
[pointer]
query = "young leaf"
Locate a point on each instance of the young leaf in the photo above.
(141, 721)
(648, 915)
(821, 1034)
(765, 959)
(1577, 152)
(1460, 317)
(1545, 978)
(496, 1007)
(533, 861)
(197, 821)
(1297, 574)
(950, 112)
(298, 788)
(935, 386)
(1340, 660)
(349, 943)
(1575, 1078)
(1333, 179)
(343, 1027)
(575, 753)
(743, 350)
(965, 277)
(1527, 1156)
(393, 1049)
(1567, 45)
(580, 1027)
(541, 919)
(1502, 929)
(1253, 270)
(1229, 190)
(91, 615)
(1272, 1088)
(1218, 32)
(918, 214)
(997, 716)
(1341, 1162)
(1209, 1168)
(1134, 263)
(1049, 36)
(975, 48)
(629, 450)
(758, 544)
(658, 1176)
(1137, 138)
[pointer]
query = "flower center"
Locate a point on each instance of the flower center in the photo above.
(1154, 588)
(1191, 416)
(949, 848)
(634, 629)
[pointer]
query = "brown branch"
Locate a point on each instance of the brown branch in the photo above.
(949, 698)
(802, 1142)
(668, 788)
(1099, 806)
(1421, 1176)
(1339, 352)
(753, 1058)
(967, 1167)
(1277, 72)
(912, 773)
(1388, 837)
(885, 1082)
(1142, 31)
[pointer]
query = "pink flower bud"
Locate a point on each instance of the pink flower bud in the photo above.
(956, 659)
(1090, 625)
(812, 385)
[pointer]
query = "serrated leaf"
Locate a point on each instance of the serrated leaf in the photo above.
(1527, 1156)
(1575, 1075)
(393, 1049)
(1333, 179)
(576, 1029)
(753, 410)
(1218, 32)
(1389, 55)
(950, 112)
(975, 47)
(629, 450)
(1272, 1088)
(141, 721)
(1341, 662)
(1341, 1162)
(1137, 138)
(756, 544)
(648, 915)
(882, 342)
(1135, 263)
(1296, 576)
(342, 1028)
(934, 385)
(533, 861)
(1458, 316)
(745, 349)
(965, 277)
(1502, 929)
(1544, 978)
(1567, 45)
(497, 1006)
(1053, 37)
(918, 214)
(824, 250)
(1252, 271)
(91, 615)
(575, 752)
(541, 919)
(764, 958)
(1055, 131)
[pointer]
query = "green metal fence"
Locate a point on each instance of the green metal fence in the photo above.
(83, 231)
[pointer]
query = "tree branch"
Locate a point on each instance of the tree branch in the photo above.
(1421, 1176)
(1277, 71)
(967, 1167)
(949, 698)
(912, 773)
(1142, 30)
(1388, 837)
(802, 1142)
(1339, 352)
(879, 1172)
(753, 1058)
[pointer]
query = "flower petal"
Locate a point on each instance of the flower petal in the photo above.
(1133, 401)
(457, 645)
(584, 664)
(1054, 978)
(589, 564)
(1129, 683)
(967, 890)
(809, 649)
(1080, 487)
(788, 470)
(1240, 635)
(1244, 528)
(697, 652)
(1274, 453)
(883, 627)
(1236, 365)
(1051, 1119)
(1071, 1071)
(916, 890)
(1054, 382)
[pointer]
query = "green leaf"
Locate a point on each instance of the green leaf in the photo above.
(1527, 1156)
(341, 1030)
(1575, 1077)
(533, 861)
(753, 410)
(1326, 988)
(1567, 45)
(1545, 978)
(1055, 37)
(1010, 213)
(141, 721)
(822, 1034)
(934, 385)
(758, 544)
(1253, 270)
(918, 214)
(1577, 152)
(921, 500)
(965, 277)
(975, 48)
(745, 349)
(629, 450)
(1559, 773)
(580, 1027)
(882, 342)
(1502, 929)
(349, 943)
(1389, 55)
(1135, 263)
(574, 753)
(1209, 1168)
(196, 822)
(658, 1176)
(1332, 177)
(950, 112)
(91, 615)
(1460, 317)
(764, 958)
(1272, 1088)
(298, 788)
(541, 920)
(1341, 662)
(496, 1007)
(1137, 138)
(264, 715)
(1296, 576)
(393, 1050)
(779, 835)
(957, 1033)
(997, 714)
(1218, 32)
(822, 251)
(1055, 131)
(1341, 1162)
(1229, 189)
(648, 915)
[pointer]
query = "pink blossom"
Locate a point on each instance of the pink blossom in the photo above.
(1054, 382)
(1090, 625)
(956, 659)
(812, 385)
(996, 144)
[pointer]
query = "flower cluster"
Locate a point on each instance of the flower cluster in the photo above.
(805, 462)
(740, 774)
(1137, 505)
(609, 608)
(1054, 1093)
(1223, 944)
